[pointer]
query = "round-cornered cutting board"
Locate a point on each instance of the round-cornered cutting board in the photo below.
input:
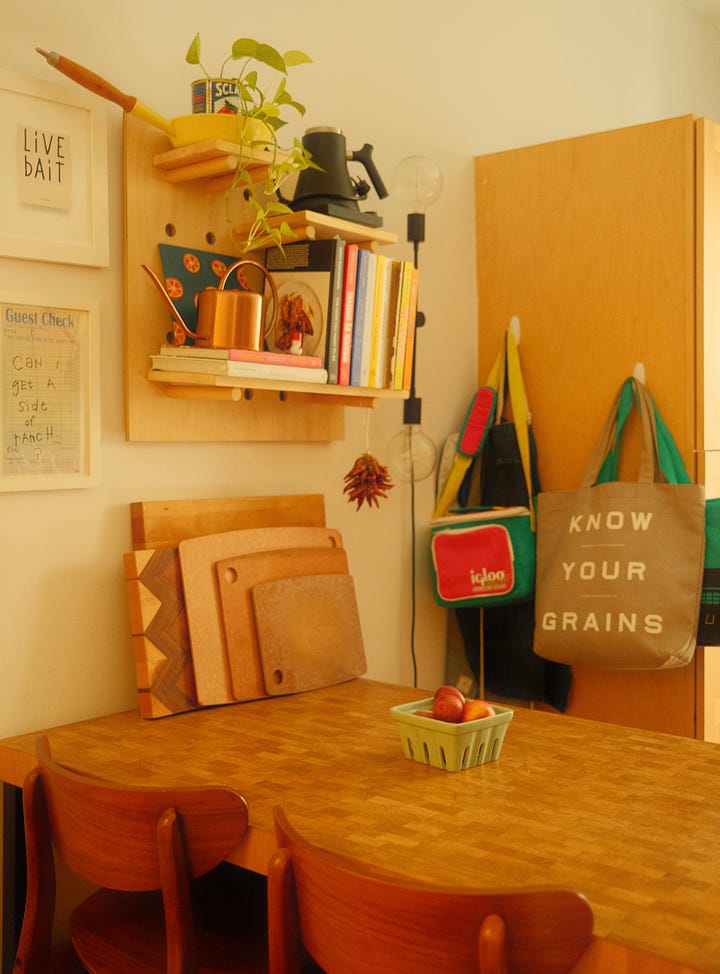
(236, 578)
(198, 556)
(309, 632)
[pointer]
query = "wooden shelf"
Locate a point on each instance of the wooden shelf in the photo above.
(212, 158)
(178, 200)
(308, 225)
(191, 385)
(215, 161)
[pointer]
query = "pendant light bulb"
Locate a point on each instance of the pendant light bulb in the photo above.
(412, 455)
(418, 182)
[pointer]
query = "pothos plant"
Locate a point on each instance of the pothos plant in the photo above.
(265, 102)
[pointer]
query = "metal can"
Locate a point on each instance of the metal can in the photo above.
(214, 95)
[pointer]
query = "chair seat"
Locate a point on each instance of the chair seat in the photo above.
(124, 933)
(64, 960)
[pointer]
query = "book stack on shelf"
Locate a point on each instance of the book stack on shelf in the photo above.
(240, 362)
(346, 317)
(356, 310)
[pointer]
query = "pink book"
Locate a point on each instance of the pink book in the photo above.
(348, 314)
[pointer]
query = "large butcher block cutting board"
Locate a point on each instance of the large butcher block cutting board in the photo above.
(156, 523)
(308, 632)
(198, 557)
(236, 579)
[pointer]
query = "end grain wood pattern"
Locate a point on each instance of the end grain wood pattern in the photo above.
(630, 818)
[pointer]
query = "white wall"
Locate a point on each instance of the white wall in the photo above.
(450, 80)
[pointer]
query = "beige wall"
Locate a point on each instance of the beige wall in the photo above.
(451, 81)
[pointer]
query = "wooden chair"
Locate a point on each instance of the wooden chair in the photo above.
(161, 908)
(354, 919)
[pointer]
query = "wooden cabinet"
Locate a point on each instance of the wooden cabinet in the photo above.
(607, 247)
(179, 197)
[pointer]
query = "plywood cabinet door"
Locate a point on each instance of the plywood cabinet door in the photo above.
(592, 243)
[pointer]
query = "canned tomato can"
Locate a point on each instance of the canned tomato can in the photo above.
(215, 95)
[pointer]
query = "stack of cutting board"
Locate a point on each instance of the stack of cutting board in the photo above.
(263, 607)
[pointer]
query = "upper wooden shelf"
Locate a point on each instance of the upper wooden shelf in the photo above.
(205, 160)
(215, 161)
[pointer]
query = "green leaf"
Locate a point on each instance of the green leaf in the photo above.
(300, 109)
(293, 58)
(193, 52)
(268, 55)
(244, 47)
(274, 206)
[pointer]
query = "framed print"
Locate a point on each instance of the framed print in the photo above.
(49, 396)
(53, 173)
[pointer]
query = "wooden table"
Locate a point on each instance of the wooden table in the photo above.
(630, 818)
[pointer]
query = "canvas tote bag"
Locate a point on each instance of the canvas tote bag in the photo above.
(620, 564)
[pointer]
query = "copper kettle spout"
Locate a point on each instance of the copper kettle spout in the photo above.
(177, 317)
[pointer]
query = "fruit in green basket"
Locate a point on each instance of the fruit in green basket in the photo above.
(452, 691)
(477, 709)
(449, 707)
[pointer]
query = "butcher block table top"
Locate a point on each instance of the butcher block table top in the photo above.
(630, 818)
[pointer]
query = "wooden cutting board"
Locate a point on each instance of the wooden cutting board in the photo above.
(159, 523)
(236, 578)
(308, 631)
(160, 638)
(198, 556)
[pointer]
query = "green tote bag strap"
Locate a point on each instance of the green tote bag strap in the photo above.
(671, 463)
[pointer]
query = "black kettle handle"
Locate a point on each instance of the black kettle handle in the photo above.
(364, 156)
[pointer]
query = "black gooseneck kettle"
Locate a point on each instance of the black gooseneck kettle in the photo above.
(330, 189)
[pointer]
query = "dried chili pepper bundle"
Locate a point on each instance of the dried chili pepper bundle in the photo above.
(367, 481)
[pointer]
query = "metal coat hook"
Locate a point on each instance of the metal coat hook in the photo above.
(639, 372)
(514, 327)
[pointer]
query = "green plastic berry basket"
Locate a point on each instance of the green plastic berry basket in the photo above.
(452, 747)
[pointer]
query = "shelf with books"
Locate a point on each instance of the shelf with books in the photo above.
(163, 405)
(193, 385)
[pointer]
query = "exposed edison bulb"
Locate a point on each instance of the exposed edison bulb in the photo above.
(412, 455)
(418, 182)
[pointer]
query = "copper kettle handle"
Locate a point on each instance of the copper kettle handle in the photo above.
(273, 289)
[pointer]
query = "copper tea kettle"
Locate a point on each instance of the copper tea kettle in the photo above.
(226, 319)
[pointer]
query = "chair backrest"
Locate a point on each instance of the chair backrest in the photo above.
(356, 919)
(108, 832)
(123, 838)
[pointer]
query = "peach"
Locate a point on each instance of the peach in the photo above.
(476, 709)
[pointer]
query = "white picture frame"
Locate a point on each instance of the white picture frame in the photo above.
(49, 392)
(53, 173)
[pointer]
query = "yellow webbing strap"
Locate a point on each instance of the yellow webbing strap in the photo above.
(507, 361)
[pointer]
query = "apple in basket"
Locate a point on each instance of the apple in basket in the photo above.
(450, 705)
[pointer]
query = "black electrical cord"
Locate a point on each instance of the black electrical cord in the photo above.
(412, 573)
(411, 416)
